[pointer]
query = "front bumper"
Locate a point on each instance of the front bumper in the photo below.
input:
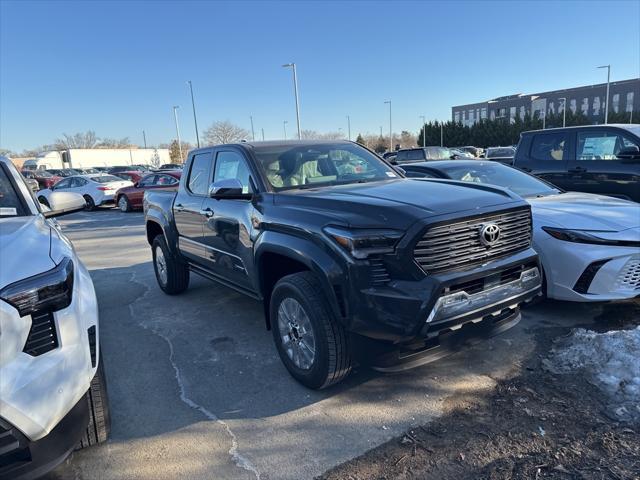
(404, 311)
(23, 459)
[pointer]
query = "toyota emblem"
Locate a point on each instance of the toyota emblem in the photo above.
(489, 234)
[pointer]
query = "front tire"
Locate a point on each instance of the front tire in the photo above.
(172, 273)
(312, 344)
(99, 426)
(123, 204)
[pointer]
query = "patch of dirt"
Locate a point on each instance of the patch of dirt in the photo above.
(536, 425)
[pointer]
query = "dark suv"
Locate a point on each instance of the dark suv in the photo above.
(347, 255)
(603, 159)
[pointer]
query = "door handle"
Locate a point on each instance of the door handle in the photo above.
(207, 212)
(179, 207)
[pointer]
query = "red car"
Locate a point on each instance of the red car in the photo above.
(130, 198)
(131, 175)
(44, 178)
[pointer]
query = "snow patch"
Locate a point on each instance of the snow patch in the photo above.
(611, 361)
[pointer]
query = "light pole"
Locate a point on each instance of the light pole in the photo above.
(424, 130)
(606, 102)
(195, 120)
(564, 111)
(295, 91)
(349, 127)
(144, 138)
(253, 133)
(441, 134)
(175, 116)
(262, 134)
(284, 125)
(390, 129)
(340, 132)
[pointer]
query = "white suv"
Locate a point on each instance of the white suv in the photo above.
(53, 395)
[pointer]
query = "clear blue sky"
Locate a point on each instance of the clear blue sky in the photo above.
(118, 67)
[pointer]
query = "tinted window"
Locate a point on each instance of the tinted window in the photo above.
(147, 181)
(66, 183)
(232, 165)
(402, 155)
(415, 155)
(10, 204)
(166, 180)
(548, 147)
(601, 145)
(419, 174)
(106, 179)
(199, 175)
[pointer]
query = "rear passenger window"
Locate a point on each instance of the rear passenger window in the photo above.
(549, 147)
(200, 174)
(601, 145)
(415, 155)
(401, 156)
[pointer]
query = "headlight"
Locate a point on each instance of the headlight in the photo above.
(49, 291)
(361, 243)
(581, 236)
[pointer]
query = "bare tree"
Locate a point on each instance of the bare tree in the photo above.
(115, 143)
(87, 139)
(224, 132)
(309, 134)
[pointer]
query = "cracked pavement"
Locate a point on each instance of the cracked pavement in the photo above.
(197, 389)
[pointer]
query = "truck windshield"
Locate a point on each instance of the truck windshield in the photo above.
(322, 164)
(10, 203)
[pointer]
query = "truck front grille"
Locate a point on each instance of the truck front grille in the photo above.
(458, 245)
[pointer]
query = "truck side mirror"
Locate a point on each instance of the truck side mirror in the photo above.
(229, 188)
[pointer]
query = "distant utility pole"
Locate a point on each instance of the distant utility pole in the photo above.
(195, 119)
(253, 133)
(284, 125)
(295, 91)
(606, 102)
(390, 128)
(424, 130)
(380, 131)
(441, 134)
(349, 127)
(263, 134)
(144, 139)
(175, 116)
(564, 111)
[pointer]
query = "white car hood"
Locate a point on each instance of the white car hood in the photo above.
(25, 244)
(585, 211)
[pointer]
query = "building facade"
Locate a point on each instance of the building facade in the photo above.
(590, 100)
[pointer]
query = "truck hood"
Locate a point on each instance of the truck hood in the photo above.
(395, 203)
(585, 211)
(25, 244)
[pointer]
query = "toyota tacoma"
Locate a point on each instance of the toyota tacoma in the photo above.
(353, 262)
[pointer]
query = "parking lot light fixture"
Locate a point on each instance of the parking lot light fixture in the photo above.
(175, 116)
(606, 101)
(390, 128)
(295, 91)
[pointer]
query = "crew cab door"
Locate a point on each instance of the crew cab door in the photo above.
(596, 167)
(226, 223)
(545, 155)
(187, 205)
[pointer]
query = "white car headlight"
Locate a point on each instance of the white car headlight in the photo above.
(591, 237)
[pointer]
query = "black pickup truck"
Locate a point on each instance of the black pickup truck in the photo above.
(351, 260)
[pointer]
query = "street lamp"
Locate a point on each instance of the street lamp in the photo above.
(262, 134)
(424, 130)
(606, 102)
(253, 133)
(295, 91)
(564, 111)
(144, 138)
(349, 127)
(284, 125)
(390, 130)
(195, 120)
(175, 116)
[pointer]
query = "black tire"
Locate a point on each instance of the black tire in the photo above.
(99, 426)
(332, 360)
(91, 205)
(44, 201)
(123, 203)
(177, 272)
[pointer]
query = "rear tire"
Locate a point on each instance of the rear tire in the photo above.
(123, 204)
(331, 359)
(172, 273)
(91, 205)
(99, 426)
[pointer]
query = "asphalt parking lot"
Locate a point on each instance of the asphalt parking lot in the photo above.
(197, 389)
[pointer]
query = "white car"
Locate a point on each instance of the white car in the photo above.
(97, 189)
(589, 245)
(53, 394)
